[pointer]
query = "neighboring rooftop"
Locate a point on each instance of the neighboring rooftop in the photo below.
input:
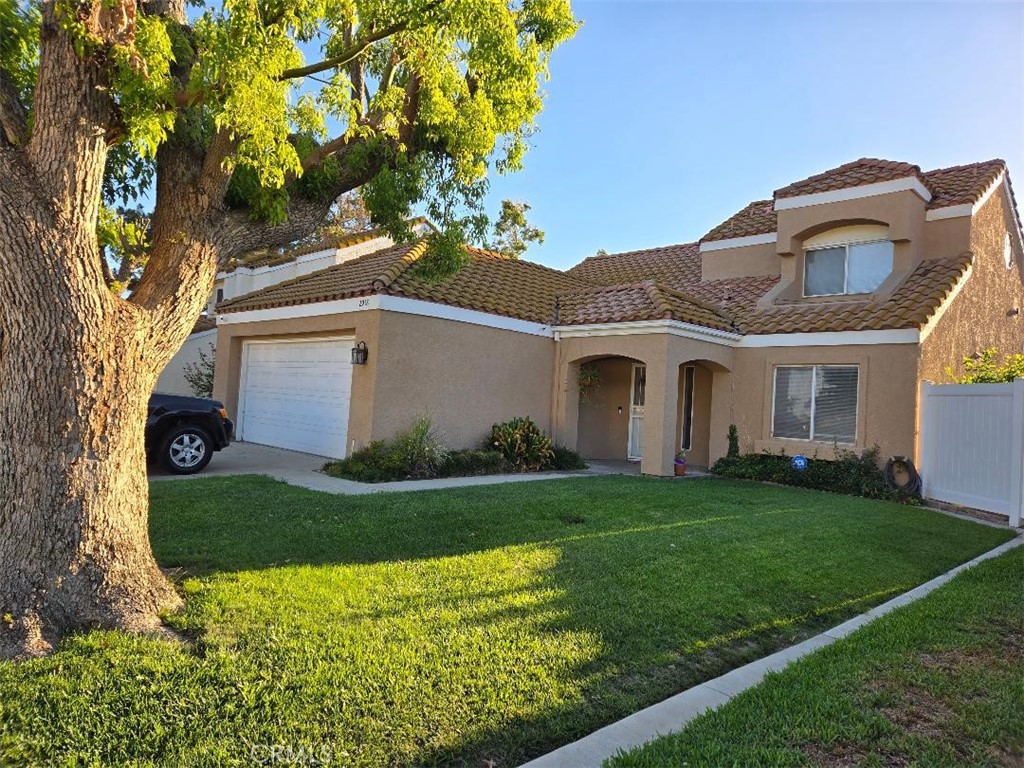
(958, 185)
(489, 282)
(256, 259)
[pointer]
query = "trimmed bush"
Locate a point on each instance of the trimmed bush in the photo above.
(469, 463)
(849, 474)
(563, 458)
(523, 444)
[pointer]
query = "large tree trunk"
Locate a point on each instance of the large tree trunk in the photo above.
(77, 365)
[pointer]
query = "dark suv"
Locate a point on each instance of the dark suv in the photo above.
(183, 432)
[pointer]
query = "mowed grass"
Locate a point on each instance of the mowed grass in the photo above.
(457, 627)
(939, 683)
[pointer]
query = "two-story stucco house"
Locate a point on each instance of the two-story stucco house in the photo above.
(808, 320)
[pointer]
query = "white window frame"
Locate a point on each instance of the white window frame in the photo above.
(846, 265)
(814, 398)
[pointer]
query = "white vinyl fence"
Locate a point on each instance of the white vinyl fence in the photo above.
(972, 445)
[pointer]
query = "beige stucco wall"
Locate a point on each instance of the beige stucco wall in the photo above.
(982, 314)
(748, 261)
(172, 378)
(887, 397)
(466, 377)
(362, 326)
(664, 354)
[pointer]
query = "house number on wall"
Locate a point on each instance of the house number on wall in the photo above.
(364, 302)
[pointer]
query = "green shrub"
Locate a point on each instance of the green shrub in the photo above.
(849, 473)
(566, 458)
(734, 443)
(469, 463)
(378, 462)
(415, 453)
(420, 449)
(523, 444)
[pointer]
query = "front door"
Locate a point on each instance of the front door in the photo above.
(635, 450)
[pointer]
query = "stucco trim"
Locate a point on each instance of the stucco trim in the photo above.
(832, 338)
(390, 304)
(460, 315)
(648, 327)
(911, 183)
(738, 242)
(947, 303)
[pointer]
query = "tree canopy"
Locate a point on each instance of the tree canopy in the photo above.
(416, 99)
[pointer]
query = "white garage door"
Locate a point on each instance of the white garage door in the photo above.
(295, 395)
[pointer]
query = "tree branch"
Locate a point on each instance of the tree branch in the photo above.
(350, 54)
(13, 117)
(355, 49)
(239, 234)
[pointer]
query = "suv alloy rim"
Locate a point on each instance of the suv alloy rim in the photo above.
(187, 450)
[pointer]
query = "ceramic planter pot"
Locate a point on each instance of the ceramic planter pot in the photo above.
(680, 467)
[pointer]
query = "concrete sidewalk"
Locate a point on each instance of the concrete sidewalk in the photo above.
(674, 713)
(303, 470)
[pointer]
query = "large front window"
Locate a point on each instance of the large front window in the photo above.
(816, 402)
(851, 268)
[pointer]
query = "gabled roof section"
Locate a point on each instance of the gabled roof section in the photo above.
(957, 185)
(961, 184)
(670, 264)
(866, 170)
(634, 302)
(758, 218)
(489, 282)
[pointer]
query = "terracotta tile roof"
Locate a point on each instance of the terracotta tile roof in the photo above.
(734, 301)
(350, 278)
(867, 170)
(961, 184)
(958, 185)
(496, 284)
(489, 282)
(909, 306)
(646, 300)
(671, 265)
(758, 218)
(257, 259)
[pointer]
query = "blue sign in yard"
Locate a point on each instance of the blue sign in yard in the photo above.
(799, 463)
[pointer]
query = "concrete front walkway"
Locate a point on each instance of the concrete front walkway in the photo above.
(674, 713)
(303, 470)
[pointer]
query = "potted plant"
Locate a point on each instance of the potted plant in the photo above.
(680, 463)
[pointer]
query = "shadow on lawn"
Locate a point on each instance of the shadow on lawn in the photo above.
(678, 584)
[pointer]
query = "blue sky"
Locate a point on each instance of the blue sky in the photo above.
(665, 118)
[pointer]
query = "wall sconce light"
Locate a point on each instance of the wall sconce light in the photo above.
(360, 353)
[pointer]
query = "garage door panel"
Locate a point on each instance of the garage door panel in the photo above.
(296, 395)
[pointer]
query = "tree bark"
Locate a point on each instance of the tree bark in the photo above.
(77, 363)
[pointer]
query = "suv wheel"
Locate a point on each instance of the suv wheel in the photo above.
(186, 450)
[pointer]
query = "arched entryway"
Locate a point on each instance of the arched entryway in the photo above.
(612, 394)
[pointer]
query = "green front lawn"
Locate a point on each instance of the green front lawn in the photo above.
(453, 627)
(939, 683)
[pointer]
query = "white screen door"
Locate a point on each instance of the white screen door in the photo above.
(635, 450)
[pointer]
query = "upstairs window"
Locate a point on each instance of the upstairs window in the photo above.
(847, 260)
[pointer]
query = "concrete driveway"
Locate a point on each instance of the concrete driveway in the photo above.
(249, 459)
